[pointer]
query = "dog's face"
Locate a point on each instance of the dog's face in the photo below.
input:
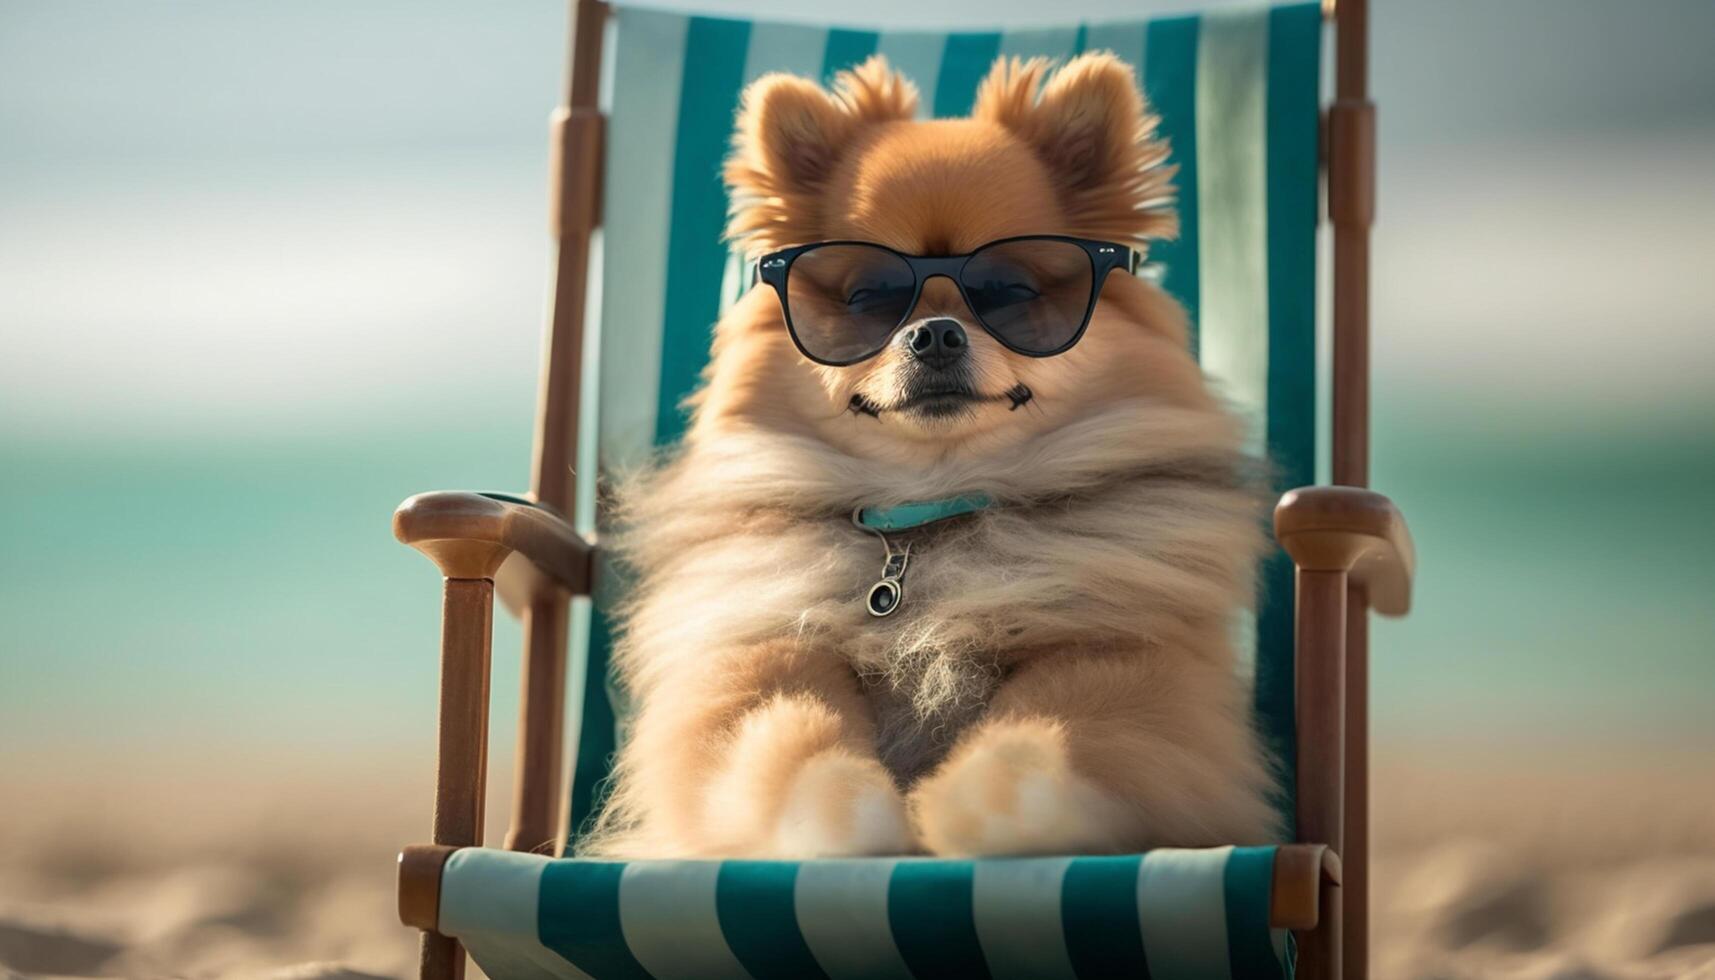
(1070, 154)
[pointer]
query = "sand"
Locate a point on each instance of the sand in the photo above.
(1553, 866)
(1565, 864)
(237, 872)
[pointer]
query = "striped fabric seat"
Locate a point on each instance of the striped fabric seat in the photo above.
(1170, 915)
(1238, 96)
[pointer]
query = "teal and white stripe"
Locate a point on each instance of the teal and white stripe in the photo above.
(1232, 240)
(1181, 905)
(1168, 914)
(669, 919)
(645, 92)
(488, 895)
(1051, 42)
(918, 56)
(1124, 40)
(1017, 908)
(841, 910)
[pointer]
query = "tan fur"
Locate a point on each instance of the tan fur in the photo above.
(1060, 677)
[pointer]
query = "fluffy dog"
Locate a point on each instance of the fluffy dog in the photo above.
(1061, 678)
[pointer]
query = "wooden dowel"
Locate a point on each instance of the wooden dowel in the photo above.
(536, 799)
(1321, 685)
(575, 209)
(1319, 949)
(439, 957)
(1356, 815)
(461, 773)
(1351, 355)
(577, 150)
(1352, 196)
(1351, 49)
(1351, 207)
(467, 622)
(1321, 696)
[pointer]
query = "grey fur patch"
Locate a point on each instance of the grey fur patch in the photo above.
(923, 702)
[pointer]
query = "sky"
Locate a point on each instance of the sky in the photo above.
(268, 268)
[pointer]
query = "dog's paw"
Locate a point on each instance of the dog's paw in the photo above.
(839, 805)
(1012, 790)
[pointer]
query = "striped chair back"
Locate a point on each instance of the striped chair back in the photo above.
(1238, 96)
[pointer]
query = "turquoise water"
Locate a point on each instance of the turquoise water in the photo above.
(249, 593)
(1565, 581)
(168, 592)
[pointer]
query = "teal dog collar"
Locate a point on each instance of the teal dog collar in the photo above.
(887, 594)
(906, 517)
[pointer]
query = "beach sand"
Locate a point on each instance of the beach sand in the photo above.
(1561, 865)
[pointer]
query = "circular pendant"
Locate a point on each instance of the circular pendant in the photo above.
(883, 598)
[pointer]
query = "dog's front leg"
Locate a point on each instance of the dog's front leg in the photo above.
(1082, 754)
(765, 751)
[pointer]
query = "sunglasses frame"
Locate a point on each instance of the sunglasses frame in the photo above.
(774, 268)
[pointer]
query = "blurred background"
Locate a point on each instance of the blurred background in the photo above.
(268, 268)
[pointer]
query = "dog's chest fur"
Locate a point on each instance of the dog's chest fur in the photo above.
(1126, 561)
(926, 693)
(928, 671)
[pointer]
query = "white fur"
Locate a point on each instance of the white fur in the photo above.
(1043, 807)
(840, 807)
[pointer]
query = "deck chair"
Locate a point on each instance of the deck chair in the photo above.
(638, 212)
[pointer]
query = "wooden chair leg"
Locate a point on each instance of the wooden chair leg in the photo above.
(541, 728)
(1356, 855)
(461, 773)
(440, 958)
(1319, 950)
(1321, 678)
(467, 624)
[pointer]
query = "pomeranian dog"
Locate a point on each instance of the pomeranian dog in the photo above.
(950, 556)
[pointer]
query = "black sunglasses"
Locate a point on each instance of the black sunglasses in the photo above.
(1034, 294)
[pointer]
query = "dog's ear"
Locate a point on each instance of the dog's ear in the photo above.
(791, 135)
(1089, 124)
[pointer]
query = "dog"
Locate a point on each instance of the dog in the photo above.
(1054, 672)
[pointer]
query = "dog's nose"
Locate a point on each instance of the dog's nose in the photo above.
(938, 343)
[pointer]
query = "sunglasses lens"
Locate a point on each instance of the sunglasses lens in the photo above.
(1032, 294)
(846, 300)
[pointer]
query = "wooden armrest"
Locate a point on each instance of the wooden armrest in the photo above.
(472, 535)
(1351, 530)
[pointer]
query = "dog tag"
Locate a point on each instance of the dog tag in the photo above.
(886, 595)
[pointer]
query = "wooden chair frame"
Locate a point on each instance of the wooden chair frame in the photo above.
(1350, 546)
